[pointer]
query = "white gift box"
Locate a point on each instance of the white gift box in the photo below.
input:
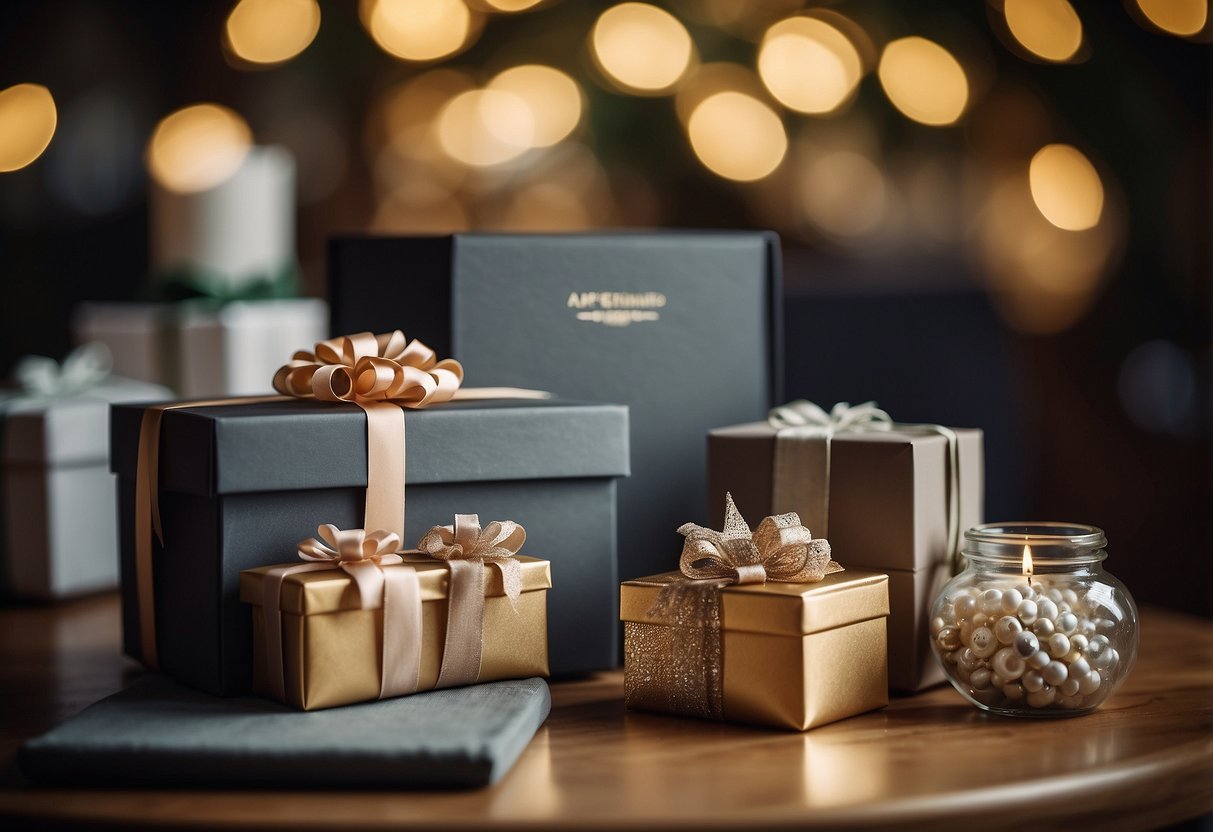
(60, 501)
(202, 350)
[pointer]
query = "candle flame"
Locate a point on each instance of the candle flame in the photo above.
(1027, 561)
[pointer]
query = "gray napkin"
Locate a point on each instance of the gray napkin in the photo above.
(157, 732)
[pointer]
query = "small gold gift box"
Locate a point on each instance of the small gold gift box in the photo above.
(332, 645)
(792, 655)
(757, 626)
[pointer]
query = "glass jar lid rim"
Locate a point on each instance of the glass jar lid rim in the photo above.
(1038, 534)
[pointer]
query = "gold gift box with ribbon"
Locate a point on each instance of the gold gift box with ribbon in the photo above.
(337, 645)
(894, 497)
(761, 628)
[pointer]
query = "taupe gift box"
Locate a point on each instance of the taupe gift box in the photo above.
(887, 505)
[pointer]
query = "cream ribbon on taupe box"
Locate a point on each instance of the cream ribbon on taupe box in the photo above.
(803, 451)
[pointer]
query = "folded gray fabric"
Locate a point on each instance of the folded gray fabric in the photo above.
(157, 732)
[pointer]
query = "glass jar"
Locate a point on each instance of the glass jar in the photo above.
(1034, 626)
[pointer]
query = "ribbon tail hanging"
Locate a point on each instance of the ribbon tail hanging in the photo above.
(801, 478)
(401, 660)
(385, 467)
(462, 647)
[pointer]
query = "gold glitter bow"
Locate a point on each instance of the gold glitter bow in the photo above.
(686, 647)
(367, 368)
(467, 549)
(781, 549)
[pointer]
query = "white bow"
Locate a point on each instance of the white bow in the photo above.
(84, 368)
(807, 419)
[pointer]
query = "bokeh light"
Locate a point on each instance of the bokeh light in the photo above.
(27, 124)
(737, 136)
(553, 98)
(924, 81)
(1178, 17)
(641, 47)
(510, 6)
(1066, 187)
(272, 31)
(1043, 277)
(842, 193)
(197, 147)
(1049, 29)
(808, 65)
(483, 128)
(418, 30)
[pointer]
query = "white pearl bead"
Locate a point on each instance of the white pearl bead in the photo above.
(1027, 611)
(1025, 590)
(1059, 645)
(1008, 664)
(1043, 627)
(969, 660)
(1069, 596)
(983, 643)
(1088, 627)
(1011, 599)
(1080, 667)
(1043, 697)
(949, 638)
(1039, 660)
(962, 674)
(937, 624)
(1090, 683)
(1070, 687)
(1097, 645)
(980, 678)
(1067, 622)
(965, 606)
(1106, 660)
(1026, 644)
(1047, 608)
(1038, 588)
(1006, 628)
(1055, 673)
(991, 601)
(1013, 691)
(1054, 595)
(1032, 681)
(952, 656)
(981, 620)
(948, 613)
(997, 681)
(1078, 642)
(987, 696)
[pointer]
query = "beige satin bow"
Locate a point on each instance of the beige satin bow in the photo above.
(367, 368)
(467, 549)
(398, 591)
(780, 550)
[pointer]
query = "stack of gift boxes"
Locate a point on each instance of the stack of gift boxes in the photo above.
(393, 520)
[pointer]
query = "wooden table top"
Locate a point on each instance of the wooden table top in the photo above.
(1145, 759)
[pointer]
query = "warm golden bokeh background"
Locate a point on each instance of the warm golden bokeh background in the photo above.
(994, 214)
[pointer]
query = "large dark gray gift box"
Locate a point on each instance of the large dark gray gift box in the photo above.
(683, 327)
(241, 484)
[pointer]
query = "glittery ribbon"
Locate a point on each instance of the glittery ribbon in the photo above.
(467, 551)
(398, 591)
(781, 549)
(803, 455)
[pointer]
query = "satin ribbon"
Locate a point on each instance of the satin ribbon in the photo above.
(382, 374)
(798, 457)
(781, 549)
(362, 556)
(468, 550)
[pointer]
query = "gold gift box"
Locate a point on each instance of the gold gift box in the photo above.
(793, 655)
(332, 647)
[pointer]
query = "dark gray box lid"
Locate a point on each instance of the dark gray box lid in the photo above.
(296, 444)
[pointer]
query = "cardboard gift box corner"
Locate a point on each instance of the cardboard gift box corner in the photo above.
(239, 484)
(332, 645)
(793, 655)
(887, 512)
(60, 515)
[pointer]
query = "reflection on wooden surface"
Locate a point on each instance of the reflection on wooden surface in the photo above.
(1143, 760)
